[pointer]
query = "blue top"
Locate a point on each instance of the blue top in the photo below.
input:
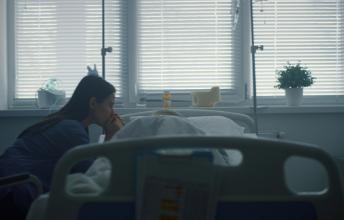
(38, 153)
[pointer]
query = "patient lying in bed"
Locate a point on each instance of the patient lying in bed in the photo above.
(162, 125)
(97, 176)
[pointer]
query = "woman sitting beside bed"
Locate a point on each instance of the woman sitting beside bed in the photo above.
(39, 147)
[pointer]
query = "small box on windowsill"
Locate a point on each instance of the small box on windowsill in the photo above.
(47, 99)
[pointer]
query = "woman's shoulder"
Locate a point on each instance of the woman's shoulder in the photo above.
(70, 122)
(69, 125)
(72, 131)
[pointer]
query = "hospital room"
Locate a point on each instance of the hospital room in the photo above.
(172, 109)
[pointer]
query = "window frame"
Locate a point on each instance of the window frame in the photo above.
(31, 103)
(130, 95)
(185, 97)
(12, 102)
(317, 100)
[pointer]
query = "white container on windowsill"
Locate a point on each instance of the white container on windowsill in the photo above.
(294, 96)
(47, 99)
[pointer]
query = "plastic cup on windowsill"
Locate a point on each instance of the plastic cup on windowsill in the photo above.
(142, 103)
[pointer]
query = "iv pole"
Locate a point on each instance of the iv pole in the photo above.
(253, 53)
(104, 50)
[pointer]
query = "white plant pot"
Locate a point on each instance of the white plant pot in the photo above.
(294, 96)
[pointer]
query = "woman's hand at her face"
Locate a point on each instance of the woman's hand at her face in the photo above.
(112, 125)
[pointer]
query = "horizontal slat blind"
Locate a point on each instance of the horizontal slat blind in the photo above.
(185, 45)
(310, 31)
(59, 38)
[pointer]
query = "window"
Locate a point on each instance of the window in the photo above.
(182, 45)
(310, 31)
(59, 38)
(185, 45)
(176, 45)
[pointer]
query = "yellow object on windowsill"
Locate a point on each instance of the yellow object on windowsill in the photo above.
(166, 100)
(206, 98)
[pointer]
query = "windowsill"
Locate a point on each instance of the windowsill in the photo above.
(282, 109)
(304, 109)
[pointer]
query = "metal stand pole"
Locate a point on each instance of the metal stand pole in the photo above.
(103, 39)
(104, 50)
(253, 52)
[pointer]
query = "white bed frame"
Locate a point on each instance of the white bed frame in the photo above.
(260, 177)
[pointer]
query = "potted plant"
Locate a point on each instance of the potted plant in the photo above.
(293, 78)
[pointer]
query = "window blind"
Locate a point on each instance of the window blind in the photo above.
(59, 38)
(185, 45)
(310, 31)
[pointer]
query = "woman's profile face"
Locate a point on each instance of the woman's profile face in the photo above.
(103, 110)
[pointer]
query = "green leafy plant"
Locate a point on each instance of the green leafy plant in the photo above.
(294, 76)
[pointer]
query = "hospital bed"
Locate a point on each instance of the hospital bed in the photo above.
(254, 189)
(256, 184)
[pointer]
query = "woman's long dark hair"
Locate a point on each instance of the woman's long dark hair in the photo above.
(77, 108)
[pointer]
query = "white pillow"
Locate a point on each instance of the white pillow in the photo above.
(217, 125)
(151, 126)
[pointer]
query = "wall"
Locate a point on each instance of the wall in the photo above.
(320, 128)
